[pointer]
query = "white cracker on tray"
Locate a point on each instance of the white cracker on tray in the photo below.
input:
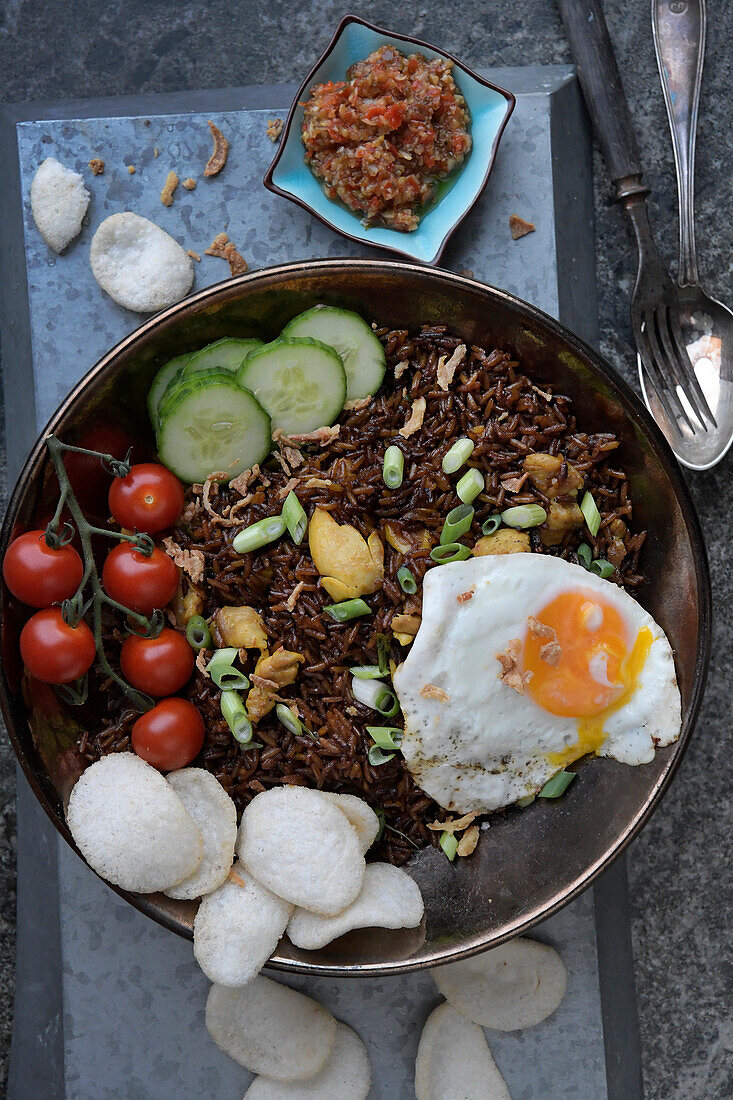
(138, 264)
(454, 1061)
(237, 928)
(59, 201)
(271, 1029)
(131, 826)
(345, 1076)
(510, 987)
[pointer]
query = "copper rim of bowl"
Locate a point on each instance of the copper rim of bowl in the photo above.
(271, 186)
(220, 293)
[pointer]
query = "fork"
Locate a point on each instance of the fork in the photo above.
(655, 306)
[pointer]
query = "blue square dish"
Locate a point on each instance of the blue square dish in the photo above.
(489, 106)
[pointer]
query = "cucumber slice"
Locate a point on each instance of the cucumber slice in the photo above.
(212, 427)
(160, 383)
(361, 352)
(227, 354)
(180, 384)
(300, 382)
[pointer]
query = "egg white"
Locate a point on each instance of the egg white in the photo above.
(486, 745)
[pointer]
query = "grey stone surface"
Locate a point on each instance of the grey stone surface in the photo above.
(681, 865)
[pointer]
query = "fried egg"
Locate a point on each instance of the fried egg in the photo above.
(522, 664)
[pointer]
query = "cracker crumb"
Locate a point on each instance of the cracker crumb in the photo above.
(194, 255)
(218, 158)
(131, 169)
(469, 840)
(97, 166)
(323, 436)
(294, 595)
(454, 824)
(357, 404)
(510, 674)
(274, 128)
(289, 487)
(242, 482)
(432, 691)
(542, 630)
(550, 653)
(466, 272)
(518, 227)
(446, 370)
(192, 562)
(189, 184)
(514, 484)
(415, 419)
(169, 189)
(223, 249)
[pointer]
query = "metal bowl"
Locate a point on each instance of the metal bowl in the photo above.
(532, 862)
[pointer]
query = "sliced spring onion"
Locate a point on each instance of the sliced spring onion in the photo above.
(557, 785)
(368, 672)
(591, 515)
(393, 468)
(470, 485)
(451, 551)
(295, 518)
(286, 717)
(383, 653)
(457, 455)
(235, 716)
(526, 801)
(375, 694)
(584, 555)
(387, 737)
(377, 757)
(381, 818)
(347, 609)
(198, 634)
(600, 566)
(457, 522)
(406, 580)
(491, 525)
(259, 534)
(449, 843)
(524, 515)
(222, 671)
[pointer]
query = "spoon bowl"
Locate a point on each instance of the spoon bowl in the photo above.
(707, 330)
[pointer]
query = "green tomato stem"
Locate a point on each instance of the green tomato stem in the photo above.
(76, 607)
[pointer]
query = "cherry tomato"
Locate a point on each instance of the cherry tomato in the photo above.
(170, 735)
(139, 582)
(53, 651)
(38, 575)
(159, 666)
(149, 499)
(89, 480)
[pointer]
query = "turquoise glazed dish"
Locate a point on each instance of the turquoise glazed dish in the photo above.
(489, 107)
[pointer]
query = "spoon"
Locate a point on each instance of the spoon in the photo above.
(678, 28)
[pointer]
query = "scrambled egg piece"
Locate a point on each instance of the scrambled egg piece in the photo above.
(505, 541)
(349, 565)
(239, 627)
(272, 671)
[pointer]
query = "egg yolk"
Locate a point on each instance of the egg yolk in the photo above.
(582, 665)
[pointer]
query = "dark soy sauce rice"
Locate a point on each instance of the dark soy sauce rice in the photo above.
(509, 417)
